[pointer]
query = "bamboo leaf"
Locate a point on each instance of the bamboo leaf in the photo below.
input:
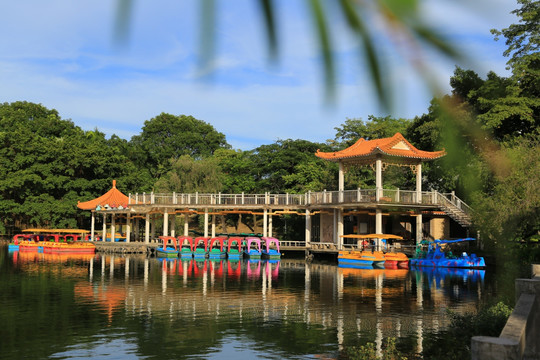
(357, 25)
(326, 46)
(267, 7)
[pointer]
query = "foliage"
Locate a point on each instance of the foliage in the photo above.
(454, 343)
(238, 169)
(369, 352)
(275, 164)
(47, 164)
(188, 175)
(375, 128)
(168, 136)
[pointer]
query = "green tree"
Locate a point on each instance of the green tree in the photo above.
(188, 175)
(238, 170)
(275, 163)
(169, 136)
(375, 128)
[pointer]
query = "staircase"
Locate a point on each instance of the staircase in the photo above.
(455, 208)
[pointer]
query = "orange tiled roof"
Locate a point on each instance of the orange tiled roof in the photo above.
(114, 198)
(396, 145)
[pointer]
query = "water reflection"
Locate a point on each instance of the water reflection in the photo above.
(294, 308)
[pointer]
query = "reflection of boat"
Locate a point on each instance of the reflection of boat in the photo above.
(253, 248)
(187, 247)
(253, 268)
(201, 247)
(234, 269)
(270, 249)
(217, 248)
(440, 273)
(436, 257)
(234, 248)
(165, 250)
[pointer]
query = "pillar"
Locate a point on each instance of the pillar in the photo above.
(92, 226)
(378, 221)
(173, 225)
(308, 228)
(419, 183)
(265, 222)
(341, 181)
(378, 178)
(104, 233)
(205, 222)
(340, 229)
(165, 223)
(147, 229)
(419, 234)
(270, 225)
(213, 226)
(128, 227)
(186, 224)
(113, 228)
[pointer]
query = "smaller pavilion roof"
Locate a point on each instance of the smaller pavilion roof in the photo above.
(395, 146)
(114, 198)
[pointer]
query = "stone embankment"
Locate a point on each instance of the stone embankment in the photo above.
(519, 338)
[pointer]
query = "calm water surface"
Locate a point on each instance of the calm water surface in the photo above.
(133, 307)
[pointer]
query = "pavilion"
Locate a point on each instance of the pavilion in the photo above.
(380, 153)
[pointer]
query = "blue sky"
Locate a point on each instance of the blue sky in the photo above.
(62, 54)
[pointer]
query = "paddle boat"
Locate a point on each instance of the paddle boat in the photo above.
(389, 244)
(270, 250)
(201, 248)
(364, 254)
(165, 250)
(436, 257)
(217, 249)
(234, 248)
(187, 247)
(253, 248)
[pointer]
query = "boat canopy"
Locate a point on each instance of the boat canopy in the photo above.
(202, 241)
(453, 241)
(232, 241)
(168, 239)
(182, 241)
(269, 241)
(57, 231)
(220, 240)
(255, 241)
(372, 236)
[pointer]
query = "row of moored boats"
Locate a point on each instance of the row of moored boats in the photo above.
(373, 250)
(220, 247)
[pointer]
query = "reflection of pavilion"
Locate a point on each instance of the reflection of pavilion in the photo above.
(383, 302)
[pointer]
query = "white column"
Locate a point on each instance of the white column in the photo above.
(186, 224)
(340, 229)
(419, 234)
(378, 178)
(270, 225)
(173, 225)
(147, 229)
(378, 221)
(92, 226)
(341, 181)
(213, 226)
(113, 228)
(205, 222)
(153, 227)
(104, 233)
(419, 183)
(165, 223)
(128, 227)
(265, 222)
(308, 229)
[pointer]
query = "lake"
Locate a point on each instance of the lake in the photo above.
(134, 307)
